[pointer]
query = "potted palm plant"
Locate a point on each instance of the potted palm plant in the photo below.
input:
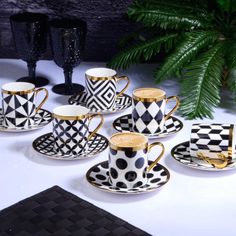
(199, 38)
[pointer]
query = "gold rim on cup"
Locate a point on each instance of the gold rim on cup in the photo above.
(135, 148)
(154, 99)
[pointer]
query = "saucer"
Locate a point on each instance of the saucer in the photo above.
(44, 145)
(171, 126)
(98, 176)
(181, 153)
(122, 102)
(42, 118)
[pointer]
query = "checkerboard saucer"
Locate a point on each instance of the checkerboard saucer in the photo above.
(44, 145)
(98, 176)
(42, 118)
(122, 102)
(172, 126)
(181, 154)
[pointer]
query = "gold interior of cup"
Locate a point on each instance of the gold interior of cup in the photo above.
(133, 138)
(154, 94)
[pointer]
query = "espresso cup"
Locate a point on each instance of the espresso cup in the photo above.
(211, 141)
(71, 129)
(101, 88)
(128, 159)
(18, 104)
(148, 114)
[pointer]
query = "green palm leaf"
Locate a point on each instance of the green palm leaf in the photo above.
(201, 84)
(142, 51)
(184, 52)
(168, 16)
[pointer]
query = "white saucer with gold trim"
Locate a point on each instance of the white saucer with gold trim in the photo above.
(181, 154)
(122, 102)
(44, 145)
(42, 118)
(98, 176)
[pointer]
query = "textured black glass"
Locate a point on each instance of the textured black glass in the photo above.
(67, 37)
(30, 37)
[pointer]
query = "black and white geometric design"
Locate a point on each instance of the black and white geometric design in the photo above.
(127, 169)
(45, 146)
(181, 153)
(171, 126)
(70, 136)
(19, 110)
(211, 139)
(148, 117)
(101, 94)
(41, 119)
(98, 176)
(121, 103)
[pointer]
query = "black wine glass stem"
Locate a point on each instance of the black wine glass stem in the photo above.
(31, 71)
(68, 79)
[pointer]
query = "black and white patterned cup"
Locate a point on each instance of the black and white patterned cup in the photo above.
(18, 104)
(71, 129)
(148, 114)
(101, 88)
(128, 159)
(212, 141)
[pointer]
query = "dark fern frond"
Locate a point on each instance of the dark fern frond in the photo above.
(142, 51)
(185, 52)
(201, 85)
(165, 16)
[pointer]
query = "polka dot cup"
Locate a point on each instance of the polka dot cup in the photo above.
(128, 165)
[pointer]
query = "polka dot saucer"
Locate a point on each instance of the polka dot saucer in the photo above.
(98, 176)
(171, 126)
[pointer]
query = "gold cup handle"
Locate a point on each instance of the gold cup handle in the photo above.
(123, 77)
(219, 163)
(167, 116)
(99, 125)
(45, 98)
(159, 157)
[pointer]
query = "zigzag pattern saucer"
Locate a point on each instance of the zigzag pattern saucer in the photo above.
(42, 118)
(122, 102)
(181, 154)
(98, 176)
(172, 126)
(45, 143)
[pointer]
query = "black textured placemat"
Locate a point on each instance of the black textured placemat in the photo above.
(60, 213)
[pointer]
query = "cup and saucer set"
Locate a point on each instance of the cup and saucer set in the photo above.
(19, 112)
(211, 147)
(149, 104)
(101, 93)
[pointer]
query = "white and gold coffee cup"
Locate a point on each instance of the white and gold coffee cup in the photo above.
(213, 143)
(71, 129)
(101, 88)
(128, 159)
(18, 104)
(149, 107)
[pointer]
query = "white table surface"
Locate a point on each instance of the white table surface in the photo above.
(193, 202)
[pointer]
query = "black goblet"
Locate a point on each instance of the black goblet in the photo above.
(67, 42)
(30, 35)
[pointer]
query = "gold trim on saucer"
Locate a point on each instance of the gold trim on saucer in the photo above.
(18, 92)
(144, 99)
(112, 189)
(136, 148)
